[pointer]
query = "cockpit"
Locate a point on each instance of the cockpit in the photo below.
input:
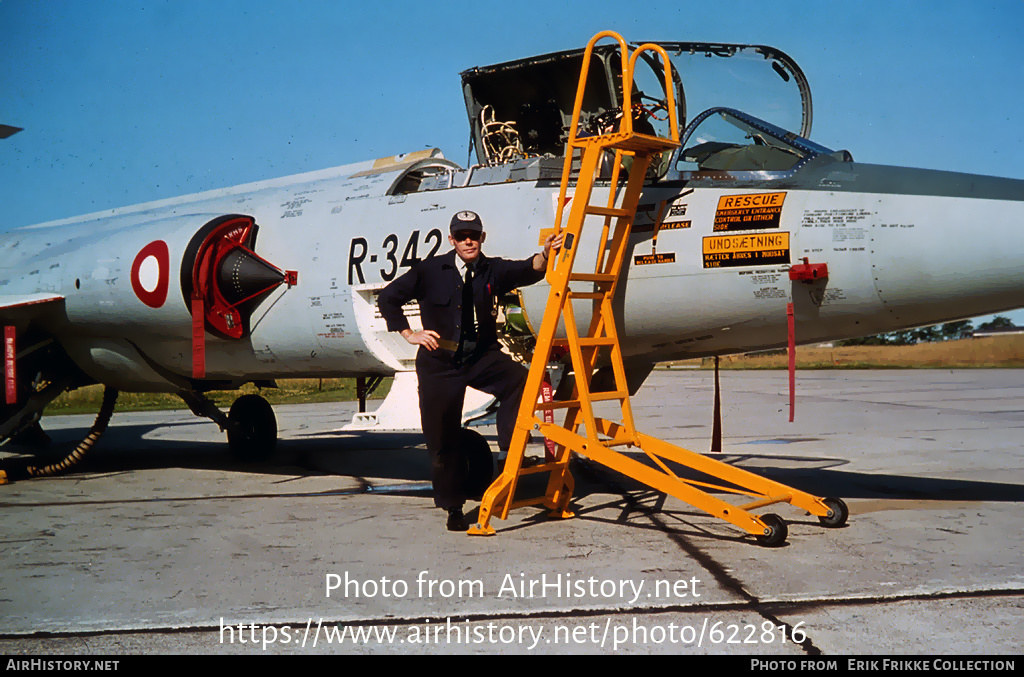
(742, 109)
(523, 109)
(752, 104)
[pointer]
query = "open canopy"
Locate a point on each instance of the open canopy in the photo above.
(523, 108)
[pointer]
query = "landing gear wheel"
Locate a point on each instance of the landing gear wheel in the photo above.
(839, 513)
(480, 463)
(777, 531)
(253, 433)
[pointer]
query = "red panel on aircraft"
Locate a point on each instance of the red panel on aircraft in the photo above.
(808, 272)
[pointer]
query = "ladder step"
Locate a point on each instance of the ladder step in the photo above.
(609, 395)
(591, 277)
(644, 143)
(587, 341)
(607, 211)
(634, 142)
(595, 295)
(597, 341)
(594, 397)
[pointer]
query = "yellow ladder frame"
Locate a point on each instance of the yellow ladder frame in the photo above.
(601, 435)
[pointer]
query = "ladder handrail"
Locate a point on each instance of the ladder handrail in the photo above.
(577, 109)
(670, 98)
(626, 123)
(585, 71)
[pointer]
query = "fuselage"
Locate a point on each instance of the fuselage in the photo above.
(709, 269)
(279, 278)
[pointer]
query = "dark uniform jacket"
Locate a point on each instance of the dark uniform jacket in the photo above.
(436, 283)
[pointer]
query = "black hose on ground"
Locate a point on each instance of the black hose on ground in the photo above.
(98, 427)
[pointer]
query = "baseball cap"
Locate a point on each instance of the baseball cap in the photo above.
(466, 220)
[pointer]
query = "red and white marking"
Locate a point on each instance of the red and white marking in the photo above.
(151, 273)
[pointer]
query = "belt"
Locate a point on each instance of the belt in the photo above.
(447, 345)
(470, 350)
(467, 346)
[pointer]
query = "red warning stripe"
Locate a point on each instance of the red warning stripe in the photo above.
(198, 339)
(791, 322)
(10, 365)
(549, 415)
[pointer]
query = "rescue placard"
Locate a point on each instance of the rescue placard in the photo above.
(730, 251)
(749, 212)
(649, 259)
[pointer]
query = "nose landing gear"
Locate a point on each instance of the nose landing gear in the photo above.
(250, 423)
(252, 430)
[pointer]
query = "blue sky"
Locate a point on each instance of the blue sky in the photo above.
(128, 101)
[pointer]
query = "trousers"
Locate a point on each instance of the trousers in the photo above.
(442, 391)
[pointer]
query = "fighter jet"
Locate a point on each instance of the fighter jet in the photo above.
(747, 224)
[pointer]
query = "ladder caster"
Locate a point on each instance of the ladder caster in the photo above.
(480, 530)
(776, 533)
(837, 513)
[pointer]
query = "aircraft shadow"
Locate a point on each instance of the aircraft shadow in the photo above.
(398, 456)
(401, 457)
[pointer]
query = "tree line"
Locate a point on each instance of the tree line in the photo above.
(950, 331)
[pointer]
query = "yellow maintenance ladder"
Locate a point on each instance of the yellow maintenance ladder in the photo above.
(600, 345)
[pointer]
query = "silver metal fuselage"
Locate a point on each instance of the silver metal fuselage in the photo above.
(903, 247)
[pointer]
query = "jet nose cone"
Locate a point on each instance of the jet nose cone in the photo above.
(242, 276)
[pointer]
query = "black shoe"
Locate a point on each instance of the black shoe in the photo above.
(456, 520)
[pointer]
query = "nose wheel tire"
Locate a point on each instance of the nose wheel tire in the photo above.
(252, 435)
(776, 533)
(838, 513)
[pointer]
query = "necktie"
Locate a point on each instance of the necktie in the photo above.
(468, 320)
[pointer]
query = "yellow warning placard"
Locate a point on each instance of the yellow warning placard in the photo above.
(729, 251)
(749, 212)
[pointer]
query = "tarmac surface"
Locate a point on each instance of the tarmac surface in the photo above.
(160, 542)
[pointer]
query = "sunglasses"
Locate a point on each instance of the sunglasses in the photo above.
(461, 235)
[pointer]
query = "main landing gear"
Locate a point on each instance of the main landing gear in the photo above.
(250, 424)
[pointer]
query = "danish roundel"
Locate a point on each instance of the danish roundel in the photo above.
(150, 273)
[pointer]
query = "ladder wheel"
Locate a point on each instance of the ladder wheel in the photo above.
(839, 513)
(776, 533)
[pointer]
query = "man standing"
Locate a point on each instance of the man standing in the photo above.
(459, 345)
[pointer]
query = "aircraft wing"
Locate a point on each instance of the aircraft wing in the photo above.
(12, 305)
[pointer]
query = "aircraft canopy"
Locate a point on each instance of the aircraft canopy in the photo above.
(523, 108)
